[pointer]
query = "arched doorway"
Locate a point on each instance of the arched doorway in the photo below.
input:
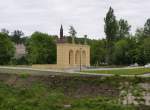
(77, 57)
(83, 58)
(71, 57)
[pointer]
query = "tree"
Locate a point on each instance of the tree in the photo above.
(5, 31)
(111, 29)
(147, 28)
(41, 49)
(124, 51)
(121, 54)
(98, 52)
(140, 35)
(7, 49)
(124, 29)
(111, 25)
(144, 32)
(16, 36)
(143, 55)
(72, 33)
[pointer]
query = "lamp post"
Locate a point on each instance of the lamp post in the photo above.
(80, 60)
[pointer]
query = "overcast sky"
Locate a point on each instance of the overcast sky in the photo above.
(87, 16)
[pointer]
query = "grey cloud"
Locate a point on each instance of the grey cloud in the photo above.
(87, 16)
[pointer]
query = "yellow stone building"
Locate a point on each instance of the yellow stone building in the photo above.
(69, 55)
(73, 55)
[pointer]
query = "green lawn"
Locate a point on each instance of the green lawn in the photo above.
(135, 71)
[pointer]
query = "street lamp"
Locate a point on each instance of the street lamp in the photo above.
(80, 59)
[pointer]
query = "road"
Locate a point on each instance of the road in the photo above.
(28, 70)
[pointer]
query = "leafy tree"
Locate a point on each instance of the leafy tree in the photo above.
(111, 29)
(121, 54)
(72, 33)
(124, 29)
(124, 52)
(143, 55)
(41, 49)
(16, 36)
(143, 33)
(5, 31)
(147, 28)
(132, 44)
(111, 25)
(98, 52)
(140, 56)
(7, 49)
(140, 35)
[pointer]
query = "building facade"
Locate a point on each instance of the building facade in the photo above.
(73, 55)
(20, 51)
(69, 55)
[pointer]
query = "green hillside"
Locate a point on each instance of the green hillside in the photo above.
(39, 97)
(29, 92)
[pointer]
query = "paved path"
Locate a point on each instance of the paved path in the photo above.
(114, 68)
(28, 70)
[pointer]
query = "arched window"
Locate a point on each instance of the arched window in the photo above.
(83, 58)
(77, 57)
(71, 57)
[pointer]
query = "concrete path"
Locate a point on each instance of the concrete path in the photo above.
(114, 68)
(29, 70)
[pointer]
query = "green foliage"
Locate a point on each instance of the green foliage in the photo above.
(39, 97)
(16, 37)
(7, 49)
(22, 61)
(147, 28)
(99, 104)
(136, 71)
(124, 29)
(111, 30)
(41, 49)
(146, 49)
(98, 52)
(124, 51)
(72, 31)
(121, 52)
(24, 75)
(140, 35)
(5, 31)
(143, 55)
(111, 25)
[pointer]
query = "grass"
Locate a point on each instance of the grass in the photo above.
(39, 97)
(52, 96)
(135, 71)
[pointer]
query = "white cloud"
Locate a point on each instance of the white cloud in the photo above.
(87, 16)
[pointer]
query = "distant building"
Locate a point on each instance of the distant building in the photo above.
(20, 50)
